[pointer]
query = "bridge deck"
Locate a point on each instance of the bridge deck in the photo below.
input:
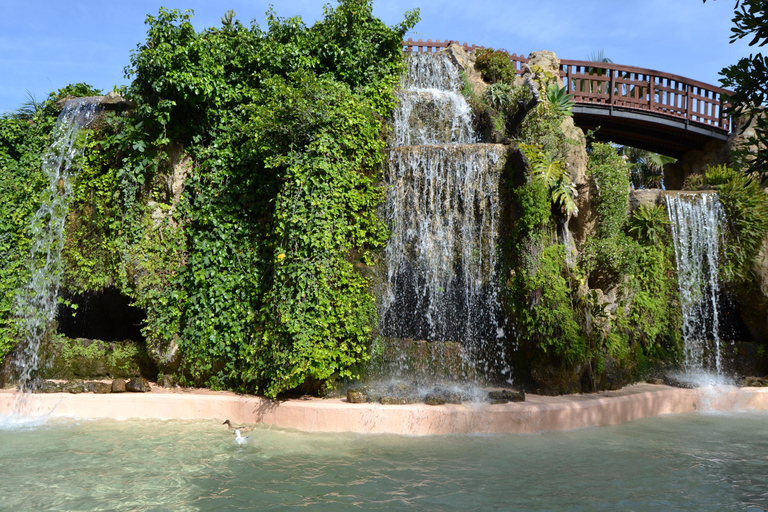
(639, 107)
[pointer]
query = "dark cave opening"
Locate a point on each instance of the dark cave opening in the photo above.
(104, 315)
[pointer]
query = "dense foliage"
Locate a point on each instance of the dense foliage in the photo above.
(748, 78)
(495, 66)
(236, 201)
(589, 321)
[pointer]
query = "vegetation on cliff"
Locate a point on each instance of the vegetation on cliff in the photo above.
(247, 278)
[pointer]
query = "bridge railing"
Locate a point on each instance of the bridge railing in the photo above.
(613, 85)
(645, 89)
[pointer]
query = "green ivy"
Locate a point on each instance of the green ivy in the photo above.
(284, 128)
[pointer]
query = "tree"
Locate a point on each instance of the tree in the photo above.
(749, 80)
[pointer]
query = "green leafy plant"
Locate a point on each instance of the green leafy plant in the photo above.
(646, 167)
(499, 95)
(495, 65)
(746, 208)
(559, 100)
(649, 224)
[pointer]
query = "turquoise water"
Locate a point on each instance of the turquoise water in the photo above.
(704, 462)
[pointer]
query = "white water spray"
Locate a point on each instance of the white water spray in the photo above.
(443, 211)
(696, 219)
(36, 303)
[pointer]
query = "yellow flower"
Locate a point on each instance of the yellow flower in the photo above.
(280, 257)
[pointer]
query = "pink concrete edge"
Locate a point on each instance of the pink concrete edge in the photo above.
(537, 413)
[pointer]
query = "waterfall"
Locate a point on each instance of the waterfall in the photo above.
(36, 303)
(696, 218)
(442, 206)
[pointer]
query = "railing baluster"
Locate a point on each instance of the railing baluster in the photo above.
(651, 92)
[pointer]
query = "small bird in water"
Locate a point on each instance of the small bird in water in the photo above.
(243, 428)
(240, 439)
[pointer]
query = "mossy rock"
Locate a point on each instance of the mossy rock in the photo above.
(506, 395)
(67, 358)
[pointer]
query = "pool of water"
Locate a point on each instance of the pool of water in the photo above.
(701, 462)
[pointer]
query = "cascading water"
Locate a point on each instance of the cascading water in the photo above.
(443, 210)
(696, 219)
(37, 302)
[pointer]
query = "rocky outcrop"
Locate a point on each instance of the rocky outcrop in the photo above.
(466, 64)
(114, 101)
(82, 358)
(646, 197)
(695, 161)
(713, 153)
(753, 300)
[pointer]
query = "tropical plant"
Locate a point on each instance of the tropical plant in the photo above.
(746, 209)
(559, 100)
(747, 78)
(649, 224)
(499, 96)
(646, 167)
(554, 175)
(599, 56)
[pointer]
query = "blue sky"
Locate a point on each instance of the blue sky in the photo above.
(45, 45)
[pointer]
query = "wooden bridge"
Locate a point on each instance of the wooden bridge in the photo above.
(638, 107)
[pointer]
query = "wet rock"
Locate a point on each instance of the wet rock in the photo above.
(356, 396)
(399, 400)
(74, 387)
(505, 396)
(654, 380)
(449, 396)
(671, 380)
(166, 381)
(138, 385)
(401, 389)
(118, 386)
(754, 382)
(99, 388)
(44, 386)
(434, 400)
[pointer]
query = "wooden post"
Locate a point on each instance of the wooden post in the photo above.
(610, 93)
(651, 92)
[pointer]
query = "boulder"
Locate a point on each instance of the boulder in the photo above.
(755, 382)
(356, 396)
(397, 400)
(466, 64)
(166, 381)
(505, 396)
(74, 386)
(114, 101)
(434, 400)
(118, 386)
(138, 385)
(647, 197)
(99, 388)
(44, 386)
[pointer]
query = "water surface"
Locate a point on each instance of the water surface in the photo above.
(696, 462)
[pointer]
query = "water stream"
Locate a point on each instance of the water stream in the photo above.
(443, 211)
(696, 219)
(37, 302)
